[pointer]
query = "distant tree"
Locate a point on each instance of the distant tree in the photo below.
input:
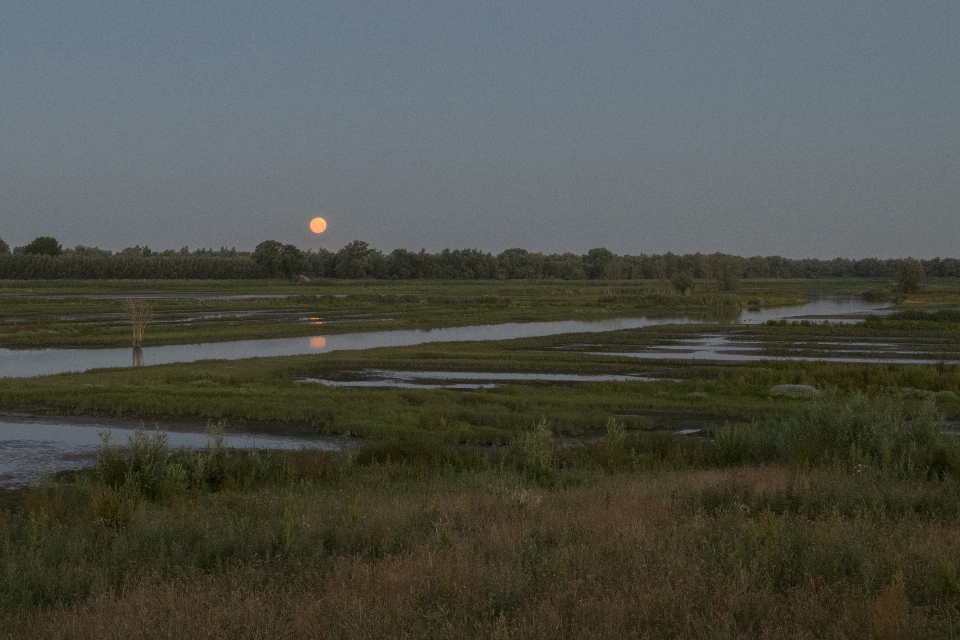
(356, 260)
(320, 263)
(909, 275)
(706, 266)
(597, 261)
(726, 271)
(519, 264)
(292, 260)
(4, 248)
(682, 282)
(43, 246)
(613, 270)
(136, 252)
(89, 252)
(268, 254)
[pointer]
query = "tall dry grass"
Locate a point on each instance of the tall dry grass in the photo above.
(702, 554)
(632, 536)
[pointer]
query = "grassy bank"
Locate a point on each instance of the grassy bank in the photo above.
(641, 536)
(28, 319)
(265, 394)
(31, 318)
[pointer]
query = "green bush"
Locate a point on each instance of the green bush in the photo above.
(682, 281)
(860, 432)
(909, 275)
(534, 450)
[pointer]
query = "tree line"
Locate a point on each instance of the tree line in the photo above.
(45, 258)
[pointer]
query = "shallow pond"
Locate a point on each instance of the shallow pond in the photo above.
(32, 447)
(36, 362)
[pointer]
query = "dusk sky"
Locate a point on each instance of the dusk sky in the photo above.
(815, 129)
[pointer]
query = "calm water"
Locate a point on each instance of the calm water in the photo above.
(721, 348)
(30, 448)
(382, 378)
(36, 362)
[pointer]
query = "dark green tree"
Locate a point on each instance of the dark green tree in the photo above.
(268, 254)
(727, 271)
(4, 248)
(357, 260)
(292, 261)
(909, 275)
(682, 282)
(43, 246)
(597, 261)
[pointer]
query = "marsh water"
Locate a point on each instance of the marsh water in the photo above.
(721, 348)
(379, 378)
(32, 447)
(36, 362)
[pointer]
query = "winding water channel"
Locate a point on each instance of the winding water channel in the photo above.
(31, 447)
(37, 362)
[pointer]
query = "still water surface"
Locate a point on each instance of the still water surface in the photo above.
(36, 362)
(30, 447)
(384, 378)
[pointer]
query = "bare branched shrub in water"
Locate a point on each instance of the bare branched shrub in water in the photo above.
(140, 313)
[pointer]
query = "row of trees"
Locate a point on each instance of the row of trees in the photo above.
(45, 258)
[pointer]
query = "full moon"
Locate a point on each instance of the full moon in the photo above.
(318, 225)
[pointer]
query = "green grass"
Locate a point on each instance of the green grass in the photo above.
(264, 394)
(27, 320)
(631, 535)
(484, 513)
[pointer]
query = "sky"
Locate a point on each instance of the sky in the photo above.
(805, 129)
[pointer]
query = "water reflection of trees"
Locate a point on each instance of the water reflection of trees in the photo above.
(137, 357)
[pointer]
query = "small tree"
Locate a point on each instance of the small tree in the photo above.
(727, 271)
(909, 275)
(660, 271)
(597, 261)
(355, 260)
(268, 255)
(44, 246)
(613, 270)
(682, 282)
(4, 248)
(140, 313)
(292, 260)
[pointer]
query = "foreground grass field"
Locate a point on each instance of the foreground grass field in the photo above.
(848, 528)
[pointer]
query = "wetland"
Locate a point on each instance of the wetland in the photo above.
(505, 453)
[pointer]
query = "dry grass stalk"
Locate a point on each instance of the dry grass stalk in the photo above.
(455, 560)
(140, 313)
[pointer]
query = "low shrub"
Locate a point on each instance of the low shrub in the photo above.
(858, 432)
